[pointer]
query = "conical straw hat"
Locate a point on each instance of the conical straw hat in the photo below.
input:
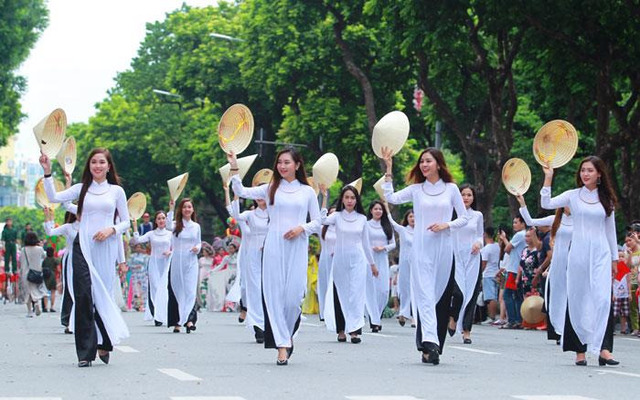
(137, 204)
(41, 195)
(50, 132)
(378, 187)
(67, 155)
(531, 310)
(262, 177)
(391, 131)
(244, 164)
(325, 170)
(516, 176)
(313, 184)
(357, 184)
(555, 143)
(177, 184)
(235, 129)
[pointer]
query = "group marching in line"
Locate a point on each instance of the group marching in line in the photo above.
(446, 255)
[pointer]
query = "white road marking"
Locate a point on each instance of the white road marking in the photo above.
(126, 349)
(604, 371)
(629, 339)
(30, 398)
(207, 398)
(553, 397)
(471, 350)
(310, 324)
(179, 375)
(381, 398)
(379, 334)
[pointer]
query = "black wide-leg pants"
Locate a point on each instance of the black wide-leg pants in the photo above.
(444, 309)
(87, 319)
(67, 300)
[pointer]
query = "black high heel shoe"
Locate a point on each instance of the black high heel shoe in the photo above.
(355, 339)
(82, 364)
(104, 357)
(190, 328)
(607, 361)
(342, 339)
(289, 351)
(433, 357)
(581, 363)
(258, 334)
(282, 362)
(451, 331)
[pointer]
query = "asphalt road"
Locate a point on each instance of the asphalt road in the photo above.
(220, 361)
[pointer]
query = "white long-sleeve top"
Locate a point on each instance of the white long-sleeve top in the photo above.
(544, 221)
(187, 239)
(100, 204)
(470, 234)
(293, 201)
(377, 237)
(257, 221)
(593, 230)
(433, 203)
(352, 234)
(69, 231)
(160, 240)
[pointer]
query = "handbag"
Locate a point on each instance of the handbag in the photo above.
(33, 276)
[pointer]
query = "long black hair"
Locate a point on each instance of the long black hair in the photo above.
(179, 226)
(359, 209)
(384, 219)
(301, 175)
(155, 217)
(87, 178)
(416, 176)
(405, 218)
(473, 192)
(606, 193)
(326, 227)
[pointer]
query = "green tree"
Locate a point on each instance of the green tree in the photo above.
(21, 23)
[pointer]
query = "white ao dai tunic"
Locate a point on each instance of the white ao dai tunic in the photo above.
(101, 202)
(351, 259)
(468, 264)
(378, 286)
(160, 241)
(284, 266)
(327, 247)
(592, 251)
(404, 268)
(556, 304)
(257, 221)
(433, 203)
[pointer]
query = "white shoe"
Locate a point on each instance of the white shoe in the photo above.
(488, 321)
(29, 315)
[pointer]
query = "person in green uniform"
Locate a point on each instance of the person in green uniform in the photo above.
(9, 237)
(27, 229)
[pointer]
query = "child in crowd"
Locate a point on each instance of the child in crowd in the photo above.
(139, 281)
(621, 294)
(633, 262)
(490, 267)
(205, 264)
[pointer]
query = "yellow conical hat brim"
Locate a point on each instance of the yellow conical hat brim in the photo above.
(50, 132)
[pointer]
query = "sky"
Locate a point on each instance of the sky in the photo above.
(77, 57)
